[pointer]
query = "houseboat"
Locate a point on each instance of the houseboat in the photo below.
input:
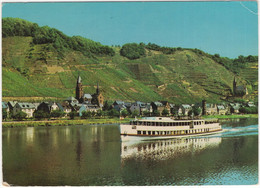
(165, 127)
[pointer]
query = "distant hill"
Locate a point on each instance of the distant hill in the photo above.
(44, 62)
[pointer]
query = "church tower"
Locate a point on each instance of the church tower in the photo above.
(79, 89)
(98, 98)
(234, 86)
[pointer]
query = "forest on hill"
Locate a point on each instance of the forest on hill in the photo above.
(44, 62)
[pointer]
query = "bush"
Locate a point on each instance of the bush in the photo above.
(38, 114)
(100, 113)
(165, 112)
(57, 113)
(4, 114)
(113, 113)
(20, 115)
(135, 113)
(146, 113)
(248, 110)
(196, 110)
(86, 115)
(73, 114)
(124, 113)
(156, 113)
(132, 51)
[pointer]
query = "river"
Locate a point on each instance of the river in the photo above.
(93, 155)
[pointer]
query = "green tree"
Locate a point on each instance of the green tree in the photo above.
(135, 113)
(146, 113)
(73, 114)
(38, 114)
(100, 113)
(86, 115)
(124, 113)
(165, 112)
(190, 113)
(107, 106)
(132, 51)
(4, 114)
(20, 115)
(248, 110)
(196, 110)
(93, 113)
(57, 113)
(113, 113)
(156, 113)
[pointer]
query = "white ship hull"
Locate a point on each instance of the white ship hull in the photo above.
(145, 138)
(166, 128)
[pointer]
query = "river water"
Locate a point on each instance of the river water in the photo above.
(93, 155)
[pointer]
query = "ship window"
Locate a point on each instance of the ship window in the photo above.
(149, 132)
(138, 132)
(144, 132)
(153, 132)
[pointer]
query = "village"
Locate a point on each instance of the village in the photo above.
(85, 105)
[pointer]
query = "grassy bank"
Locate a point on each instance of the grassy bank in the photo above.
(231, 116)
(62, 122)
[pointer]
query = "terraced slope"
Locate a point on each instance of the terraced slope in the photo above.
(31, 70)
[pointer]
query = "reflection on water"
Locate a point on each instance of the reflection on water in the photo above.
(165, 149)
(94, 155)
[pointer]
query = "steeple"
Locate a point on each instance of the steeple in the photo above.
(79, 89)
(79, 79)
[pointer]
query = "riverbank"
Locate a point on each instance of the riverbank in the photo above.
(64, 122)
(235, 116)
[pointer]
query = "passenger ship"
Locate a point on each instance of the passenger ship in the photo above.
(165, 127)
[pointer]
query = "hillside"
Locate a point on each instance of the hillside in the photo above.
(183, 76)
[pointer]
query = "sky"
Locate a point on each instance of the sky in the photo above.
(226, 28)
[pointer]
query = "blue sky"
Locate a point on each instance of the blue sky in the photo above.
(226, 28)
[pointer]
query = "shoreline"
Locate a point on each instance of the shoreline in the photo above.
(66, 122)
(61, 122)
(235, 116)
